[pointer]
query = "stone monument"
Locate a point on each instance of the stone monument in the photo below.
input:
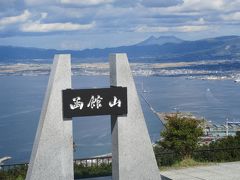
(52, 154)
(132, 153)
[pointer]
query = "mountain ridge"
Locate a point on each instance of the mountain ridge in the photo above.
(224, 47)
(152, 40)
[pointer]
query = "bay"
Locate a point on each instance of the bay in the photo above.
(21, 98)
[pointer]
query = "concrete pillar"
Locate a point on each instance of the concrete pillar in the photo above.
(133, 156)
(52, 154)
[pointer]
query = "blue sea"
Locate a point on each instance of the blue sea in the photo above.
(21, 99)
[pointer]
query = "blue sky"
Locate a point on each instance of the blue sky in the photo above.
(80, 24)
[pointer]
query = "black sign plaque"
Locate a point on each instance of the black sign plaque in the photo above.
(92, 102)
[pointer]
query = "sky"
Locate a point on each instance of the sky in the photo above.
(81, 24)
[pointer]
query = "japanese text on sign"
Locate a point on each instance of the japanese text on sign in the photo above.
(87, 102)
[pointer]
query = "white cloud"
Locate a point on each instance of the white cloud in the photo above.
(160, 3)
(8, 3)
(187, 28)
(44, 15)
(40, 2)
(200, 21)
(14, 19)
(199, 5)
(86, 2)
(192, 28)
(123, 16)
(232, 17)
(64, 2)
(53, 27)
(145, 28)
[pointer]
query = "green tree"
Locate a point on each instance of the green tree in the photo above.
(181, 134)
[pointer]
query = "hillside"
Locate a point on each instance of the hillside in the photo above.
(152, 40)
(171, 50)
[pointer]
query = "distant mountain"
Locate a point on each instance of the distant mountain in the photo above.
(12, 53)
(152, 40)
(226, 47)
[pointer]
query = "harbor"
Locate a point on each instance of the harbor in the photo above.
(212, 131)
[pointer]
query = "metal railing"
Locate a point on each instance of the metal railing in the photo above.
(86, 162)
(7, 167)
(94, 161)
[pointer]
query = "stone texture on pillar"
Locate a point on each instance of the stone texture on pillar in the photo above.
(52, 154)
(132, 152)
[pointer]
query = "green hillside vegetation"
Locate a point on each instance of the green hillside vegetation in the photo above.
(180, 147)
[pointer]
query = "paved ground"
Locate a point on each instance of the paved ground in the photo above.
(110, 178)
(99, 178)
(221, 171)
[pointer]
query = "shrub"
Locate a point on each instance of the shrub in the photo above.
(181, 135)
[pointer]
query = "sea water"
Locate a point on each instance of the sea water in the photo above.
(21, 99)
